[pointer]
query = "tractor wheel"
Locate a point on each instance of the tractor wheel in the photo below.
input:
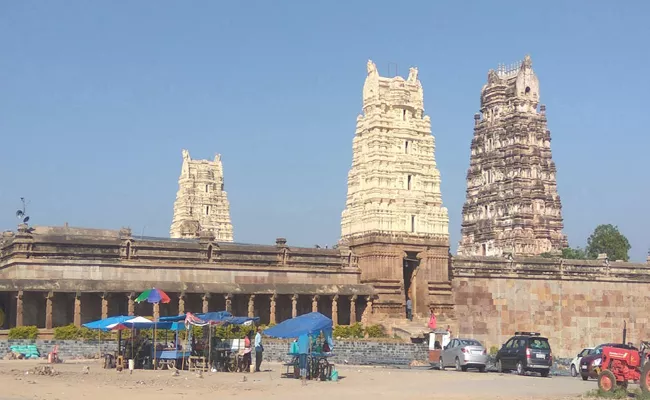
(645, 377)
(606, 381)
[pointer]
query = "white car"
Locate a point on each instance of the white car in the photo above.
(575, 363)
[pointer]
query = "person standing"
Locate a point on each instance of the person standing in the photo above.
(259, 349)
(248, 352)
(409, 309)
(303, 351)
(432, 320)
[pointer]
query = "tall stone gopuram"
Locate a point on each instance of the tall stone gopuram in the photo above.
(201, 203)
(394, 223)
(512, 203)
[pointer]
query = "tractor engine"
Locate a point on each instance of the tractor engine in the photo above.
(624, 363)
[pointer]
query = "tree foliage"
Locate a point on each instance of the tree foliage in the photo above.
(608, 239)
(574, 254)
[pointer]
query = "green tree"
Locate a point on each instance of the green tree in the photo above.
(574, 254)
(607, 239)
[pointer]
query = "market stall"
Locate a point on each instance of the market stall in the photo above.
(318, 328)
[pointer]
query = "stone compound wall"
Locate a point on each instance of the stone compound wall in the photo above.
(354, 352)
(574, 304)
(358, 352)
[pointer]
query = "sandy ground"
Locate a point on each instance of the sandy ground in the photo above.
(359, 383)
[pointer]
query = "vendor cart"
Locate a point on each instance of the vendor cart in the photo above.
(438, 339)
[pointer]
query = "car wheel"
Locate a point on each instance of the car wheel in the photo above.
(481, 369)
(574, 372)
(544, 374)
(499, 367)
(458, 367)
(585, 377)
(520, 368)
(442, 364)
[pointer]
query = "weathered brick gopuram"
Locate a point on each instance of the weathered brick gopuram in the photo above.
(512, 203)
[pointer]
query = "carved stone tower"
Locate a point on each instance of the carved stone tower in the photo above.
(201, 203)
(512, 203)
(394, 222)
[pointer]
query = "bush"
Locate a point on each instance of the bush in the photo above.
(376, 331)
(68, 332)
(356, 331)
(71, 332)
(23, 332)
(494, 350)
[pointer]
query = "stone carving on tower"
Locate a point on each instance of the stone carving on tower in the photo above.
(512, 204)
(201, 203)
(394, 222)
(394, 184)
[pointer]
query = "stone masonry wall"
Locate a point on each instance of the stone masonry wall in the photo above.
(354, 352)
(574, 305)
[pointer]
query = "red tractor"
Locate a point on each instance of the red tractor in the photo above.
(620, 365)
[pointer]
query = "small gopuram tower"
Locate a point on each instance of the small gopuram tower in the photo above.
(512, 204)
(394, 223)
(201, 203)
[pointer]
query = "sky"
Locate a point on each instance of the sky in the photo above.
(97, 99)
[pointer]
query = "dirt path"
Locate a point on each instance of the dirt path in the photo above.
(360, 383)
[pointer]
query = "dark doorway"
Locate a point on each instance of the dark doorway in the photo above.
(410, 265)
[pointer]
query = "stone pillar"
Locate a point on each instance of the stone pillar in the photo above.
(314, 303)
(294, 306)
(228, 298)
(131, 297)
(353, 309)
(104, 305)
(365, 318)
(77, 310)
(251, 306)
(272, 313)
(156, 311)
(19, 308)
(181, 303)
(335, 309)
(48, 310)
(206, 303)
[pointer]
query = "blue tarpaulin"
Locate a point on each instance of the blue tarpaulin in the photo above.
(104, 323)
(239, 320)
(306, 324)
(216, 316)
(172, 326)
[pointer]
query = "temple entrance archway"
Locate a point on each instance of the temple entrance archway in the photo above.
(410, 265)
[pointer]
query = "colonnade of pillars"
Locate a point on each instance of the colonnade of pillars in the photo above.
(320, 303)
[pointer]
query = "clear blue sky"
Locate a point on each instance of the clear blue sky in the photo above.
(97, 99)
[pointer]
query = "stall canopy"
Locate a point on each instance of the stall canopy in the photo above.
(306, 324)
(214, 318)
(107, 323)
(211, 317)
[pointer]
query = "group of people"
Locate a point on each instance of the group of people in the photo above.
(248, 350)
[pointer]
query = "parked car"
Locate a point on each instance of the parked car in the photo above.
(463, 354)
(589, 365)
(575, 363)
(525, 352)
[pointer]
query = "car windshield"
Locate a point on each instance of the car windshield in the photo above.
(539, 344)
(469, 342)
